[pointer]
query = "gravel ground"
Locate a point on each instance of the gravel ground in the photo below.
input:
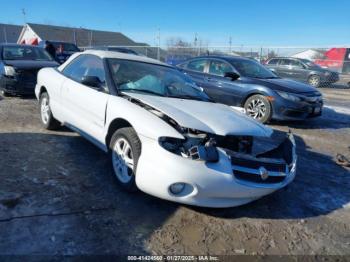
(58, 196)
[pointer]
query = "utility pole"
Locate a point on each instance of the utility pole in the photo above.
(90, 37)
(158, 51)
(24, 15)
(197, 45)
(5, 34)
(230, 44)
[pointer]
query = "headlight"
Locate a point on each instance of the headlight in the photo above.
(9, 71)
(289, 96)
(192, 148)
(327, 73)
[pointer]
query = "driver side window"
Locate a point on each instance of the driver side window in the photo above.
(85, 65)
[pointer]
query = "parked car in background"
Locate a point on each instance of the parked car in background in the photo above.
(115, 49)
(238, 81)
(302, 70)
(162, 134)
(63, 49)
(19, 65)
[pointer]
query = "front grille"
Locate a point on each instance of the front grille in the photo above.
(258, 169)
(297, 114)
(255, 163)
(27, 75)
(256, 178)
(334, 77)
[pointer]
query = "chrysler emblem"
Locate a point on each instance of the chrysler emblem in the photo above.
(264, 174)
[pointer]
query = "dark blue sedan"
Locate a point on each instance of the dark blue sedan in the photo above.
(238, 81)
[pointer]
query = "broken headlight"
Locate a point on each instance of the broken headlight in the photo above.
(192, 147)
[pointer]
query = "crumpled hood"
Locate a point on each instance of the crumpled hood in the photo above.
(204, 116)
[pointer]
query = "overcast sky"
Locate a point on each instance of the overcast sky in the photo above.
(248, 22)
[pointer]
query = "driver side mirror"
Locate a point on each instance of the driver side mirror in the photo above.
(91, 81)
(232, 75)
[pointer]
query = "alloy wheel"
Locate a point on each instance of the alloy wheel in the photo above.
(314, 81)
(256, 109)
(123, 160)
(45, 110)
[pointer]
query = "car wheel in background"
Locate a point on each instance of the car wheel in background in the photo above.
(125, 148)
(4, 93)
(259, 108)
(47, 119)
(314, 80)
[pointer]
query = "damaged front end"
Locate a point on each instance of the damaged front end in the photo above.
(271, 166)
(251, 163)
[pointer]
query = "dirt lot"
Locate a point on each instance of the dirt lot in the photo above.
(58, 196)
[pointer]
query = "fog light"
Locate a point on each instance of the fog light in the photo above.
(177, 188)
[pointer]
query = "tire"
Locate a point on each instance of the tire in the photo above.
(4, 93)
(259, 108)
(46, 117)
(314, 80)
(125, 150)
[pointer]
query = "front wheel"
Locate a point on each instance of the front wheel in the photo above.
(259, 108)
(47, 119)
(314, 80)
(4, 93)
(125, 152)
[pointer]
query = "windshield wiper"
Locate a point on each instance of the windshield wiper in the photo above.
(140, 90)
(187, 97)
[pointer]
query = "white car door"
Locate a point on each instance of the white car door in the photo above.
(85, 106)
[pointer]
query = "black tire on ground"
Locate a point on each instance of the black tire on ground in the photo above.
(4, 93)
(259, 108)
(314, 80)
(51, 123)
(129, 134)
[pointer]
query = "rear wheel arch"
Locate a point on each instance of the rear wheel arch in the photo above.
(114, 126)
(250, 95)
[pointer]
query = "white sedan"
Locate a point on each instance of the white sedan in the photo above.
(163, 134)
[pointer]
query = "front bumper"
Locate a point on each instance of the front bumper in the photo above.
(330, 79)
(15, 86)
(207, 184)
(287, 110)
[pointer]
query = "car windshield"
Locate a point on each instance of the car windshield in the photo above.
(251, 68)
(310, 63)
(68, 47)
(25, 53)
(152, 79)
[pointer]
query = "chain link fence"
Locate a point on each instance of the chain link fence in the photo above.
(318, 66)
